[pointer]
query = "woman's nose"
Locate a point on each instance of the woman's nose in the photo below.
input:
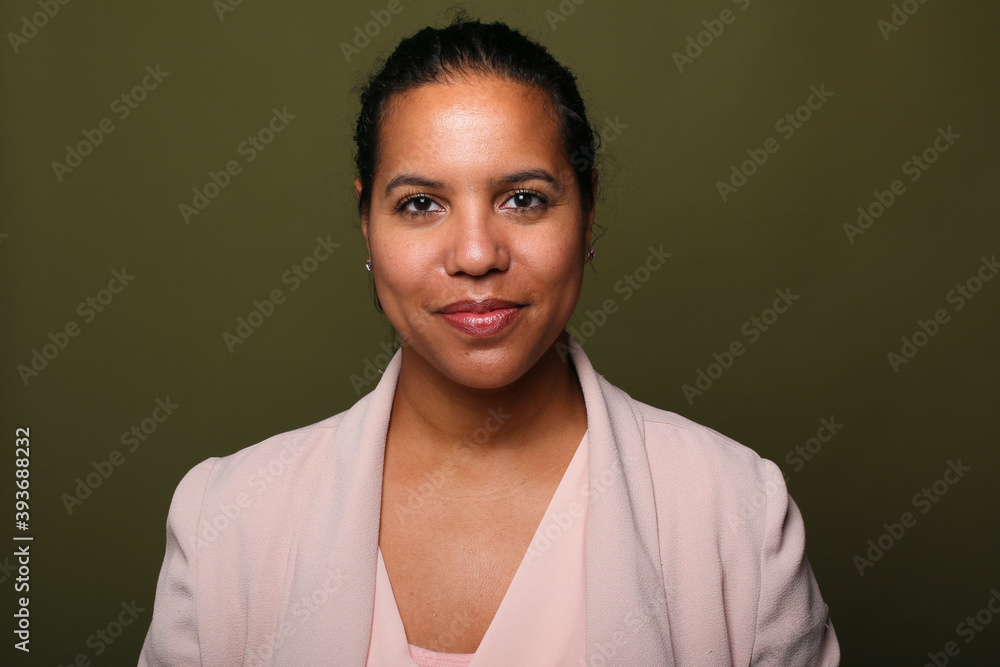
(475, 242)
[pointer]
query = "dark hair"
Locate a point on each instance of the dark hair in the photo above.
(471, 47)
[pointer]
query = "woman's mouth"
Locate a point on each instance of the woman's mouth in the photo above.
(481, 318)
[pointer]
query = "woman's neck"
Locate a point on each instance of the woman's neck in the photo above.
(436, 419)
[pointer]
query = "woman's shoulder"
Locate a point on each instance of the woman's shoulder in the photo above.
(270, 468)
(684, 437)
(242, 502)
(679, 449)
(724, 517)
(698, 460)
(286, 449)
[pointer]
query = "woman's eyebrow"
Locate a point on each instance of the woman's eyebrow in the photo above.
(527, 175)
(411, 179)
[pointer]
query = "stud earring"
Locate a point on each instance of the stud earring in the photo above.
(368, 263)
(590, 255)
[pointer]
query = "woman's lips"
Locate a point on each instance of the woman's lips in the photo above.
(482, 323)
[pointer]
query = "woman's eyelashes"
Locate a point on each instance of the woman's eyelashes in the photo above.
(526, 201)
(519, 202)
(418, 205)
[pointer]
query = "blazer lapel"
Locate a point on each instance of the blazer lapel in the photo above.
(626, 602)
(329, 609)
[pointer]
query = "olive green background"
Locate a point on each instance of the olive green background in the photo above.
(680, 132)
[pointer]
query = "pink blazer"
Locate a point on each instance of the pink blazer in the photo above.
(694, 549)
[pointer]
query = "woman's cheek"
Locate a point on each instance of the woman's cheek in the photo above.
(563, 263)
(392, 258)
(547, 254)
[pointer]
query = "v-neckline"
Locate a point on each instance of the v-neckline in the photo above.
(576, 470)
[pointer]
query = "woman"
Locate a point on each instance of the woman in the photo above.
(494, 501)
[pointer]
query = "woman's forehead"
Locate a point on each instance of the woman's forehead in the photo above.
(468, 122)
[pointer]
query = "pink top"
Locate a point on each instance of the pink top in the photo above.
(541, 619)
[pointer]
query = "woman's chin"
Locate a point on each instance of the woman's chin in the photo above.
(479, 369)
(485, 376)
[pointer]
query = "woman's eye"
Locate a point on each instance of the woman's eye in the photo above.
(421, 205)
(524, 200)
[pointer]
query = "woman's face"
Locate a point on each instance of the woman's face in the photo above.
(476, 229)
